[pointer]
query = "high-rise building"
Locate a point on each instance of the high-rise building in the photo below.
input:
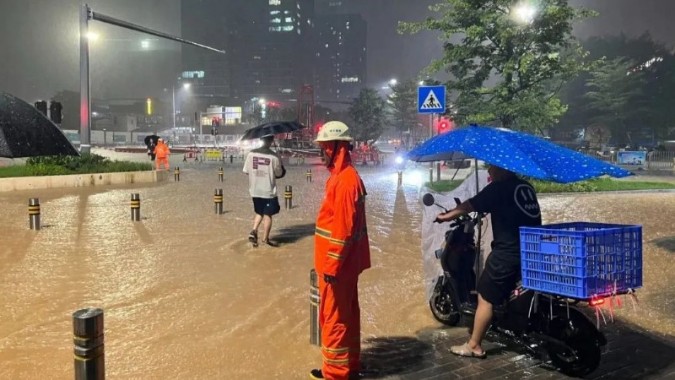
(330, 6)
(267, 43)
(340, 57)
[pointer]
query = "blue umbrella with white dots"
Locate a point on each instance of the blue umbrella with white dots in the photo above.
(518, 152)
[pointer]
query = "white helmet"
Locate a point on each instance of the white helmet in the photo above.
(333, 131)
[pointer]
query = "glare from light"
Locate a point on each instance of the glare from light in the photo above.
(186, 85)
(262, 101)
(398, 160)
(145, 44)
(524, 13)
(421, 83)
(92, 36)
(393, 82)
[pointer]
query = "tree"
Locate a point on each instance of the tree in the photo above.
(367, 112)
(504, 69)
(402, 107)
(615, 96)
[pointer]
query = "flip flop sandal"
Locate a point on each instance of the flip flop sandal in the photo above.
(466, 351)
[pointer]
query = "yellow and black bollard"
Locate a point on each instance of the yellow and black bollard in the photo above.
(136, 207)
(314, 300)
(34, 213)
(308, 175)
(221, 174)
(288, 197)
(89, 351)
(176, 174)
(218, 201)
(400, 178)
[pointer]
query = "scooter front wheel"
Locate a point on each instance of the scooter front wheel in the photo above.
(443, 309)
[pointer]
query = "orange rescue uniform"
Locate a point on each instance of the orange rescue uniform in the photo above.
(341, 250)
(162, 155)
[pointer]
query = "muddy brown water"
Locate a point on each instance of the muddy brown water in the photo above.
(186, 297)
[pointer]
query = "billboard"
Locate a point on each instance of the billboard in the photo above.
(632, 158)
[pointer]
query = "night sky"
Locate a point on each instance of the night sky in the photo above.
(39, 45)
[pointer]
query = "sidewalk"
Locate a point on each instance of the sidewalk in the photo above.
(629, 354)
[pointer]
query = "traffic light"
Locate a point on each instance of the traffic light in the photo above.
(55, 112)
(443, 125)
(41, 106)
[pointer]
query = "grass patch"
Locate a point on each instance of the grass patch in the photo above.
(443, 186)
(599, 184)
(64, 165)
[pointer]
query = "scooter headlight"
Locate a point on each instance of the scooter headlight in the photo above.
(398, 160)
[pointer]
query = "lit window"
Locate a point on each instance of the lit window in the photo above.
(275, 12)
(275, 20)
(289, 19)
(275, 2)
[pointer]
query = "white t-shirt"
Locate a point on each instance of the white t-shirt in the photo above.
(263, 167)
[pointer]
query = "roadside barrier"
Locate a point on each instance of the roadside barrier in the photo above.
(218, 201)
(34, 213)
(135, 207)
(314, 300)
(89, 351)
(288, 197)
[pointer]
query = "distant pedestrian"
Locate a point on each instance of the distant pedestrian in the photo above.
(263, 167)
(151, 150)
(162, 153)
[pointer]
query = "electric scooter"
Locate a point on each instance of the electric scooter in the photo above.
(543, 324)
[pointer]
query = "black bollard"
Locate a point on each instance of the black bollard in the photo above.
(288, 197)
(400, 178)
(314, 300)
(438, 171)
(136, 207)
(431, 174)
(34, 213)
(308, 175)
(88, 340)
(176, 174)
(218, 201)
(221, 174)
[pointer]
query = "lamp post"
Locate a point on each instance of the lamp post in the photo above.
(173, 101)
(105, 141)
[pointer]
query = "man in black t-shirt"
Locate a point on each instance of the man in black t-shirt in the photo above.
(512, 203)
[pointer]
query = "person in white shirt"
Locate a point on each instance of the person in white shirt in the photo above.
(263, 167)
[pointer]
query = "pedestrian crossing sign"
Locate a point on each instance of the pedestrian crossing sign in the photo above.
(431, 99)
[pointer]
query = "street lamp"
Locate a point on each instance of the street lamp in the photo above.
(186, 86)
(393, 82)
(524, 13)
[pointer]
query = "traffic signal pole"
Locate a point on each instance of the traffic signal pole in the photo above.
(86, 14)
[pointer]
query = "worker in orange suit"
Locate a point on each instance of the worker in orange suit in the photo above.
(162, 153)
(341, 253)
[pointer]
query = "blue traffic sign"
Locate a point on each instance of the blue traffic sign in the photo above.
(431, 99)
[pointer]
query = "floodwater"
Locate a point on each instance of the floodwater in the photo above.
(186, 297)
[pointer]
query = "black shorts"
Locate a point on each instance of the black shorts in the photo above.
(499, 278)
(266, 206)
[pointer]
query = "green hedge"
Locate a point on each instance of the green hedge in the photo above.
(600, 184)
(63, 165)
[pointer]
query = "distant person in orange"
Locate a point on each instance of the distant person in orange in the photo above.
(341, 253)
(162, 153)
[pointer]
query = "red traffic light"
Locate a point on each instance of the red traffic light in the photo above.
(444, 125)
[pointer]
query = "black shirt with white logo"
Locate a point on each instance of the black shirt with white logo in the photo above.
(512, 203)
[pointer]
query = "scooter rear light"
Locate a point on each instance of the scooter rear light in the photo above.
(596, 301)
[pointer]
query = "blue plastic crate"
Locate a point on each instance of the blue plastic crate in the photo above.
(581, 259)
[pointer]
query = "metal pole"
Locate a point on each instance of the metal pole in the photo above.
(34, 213)
(218, 201)
(89, 348)
(480, 229)
(438, 171)
(314, 301)
(173, 105)
(136, 207)
(85, 100)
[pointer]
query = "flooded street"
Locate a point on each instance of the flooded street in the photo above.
(186, 297)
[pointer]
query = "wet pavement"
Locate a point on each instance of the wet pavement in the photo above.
(186, 297)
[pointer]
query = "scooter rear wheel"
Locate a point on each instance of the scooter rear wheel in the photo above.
(443, 309)
(582, 355)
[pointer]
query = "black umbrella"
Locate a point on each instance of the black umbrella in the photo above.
(271, 128)
(25, 132)
(151, 140)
